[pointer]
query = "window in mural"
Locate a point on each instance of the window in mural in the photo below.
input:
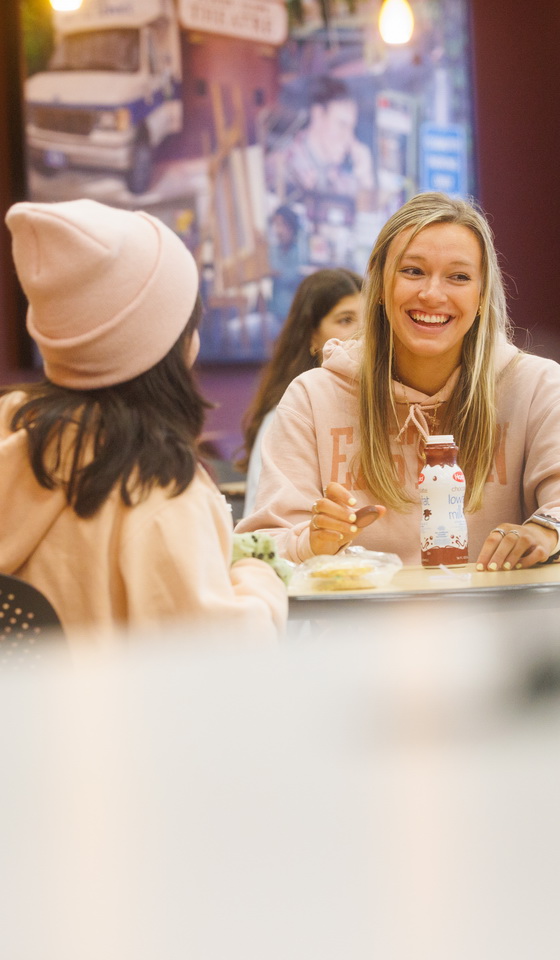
(275, 138)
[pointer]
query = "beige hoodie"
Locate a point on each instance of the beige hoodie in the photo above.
(164, 560)
(315, 436)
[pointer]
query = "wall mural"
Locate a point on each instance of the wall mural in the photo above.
(275, 138)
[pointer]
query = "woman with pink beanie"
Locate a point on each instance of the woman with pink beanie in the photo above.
(106, 507)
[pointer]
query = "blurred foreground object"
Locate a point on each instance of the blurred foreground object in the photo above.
(393, 796)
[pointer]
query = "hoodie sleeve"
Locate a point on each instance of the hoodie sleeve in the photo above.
(290, 479)
(541, 478)
(177, 564)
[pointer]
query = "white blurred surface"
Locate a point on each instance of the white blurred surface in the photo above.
(389, 797)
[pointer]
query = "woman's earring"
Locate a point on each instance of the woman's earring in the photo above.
(313, 351)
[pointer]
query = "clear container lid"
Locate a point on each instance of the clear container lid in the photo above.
(353, 569)
(441, 438)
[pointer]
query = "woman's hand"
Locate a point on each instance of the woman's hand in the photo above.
(334, 523)
(510, 546)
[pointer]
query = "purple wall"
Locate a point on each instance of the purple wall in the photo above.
(231, 388)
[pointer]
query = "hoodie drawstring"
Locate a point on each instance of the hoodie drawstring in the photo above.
(417, 416)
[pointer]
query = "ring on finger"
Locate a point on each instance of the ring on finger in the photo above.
(315, 507)
(515, 533)
(314, 524)
(501, 532)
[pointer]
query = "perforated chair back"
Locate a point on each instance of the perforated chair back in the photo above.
(29, 624)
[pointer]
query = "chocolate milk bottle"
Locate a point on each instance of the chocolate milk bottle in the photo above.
(443, 528)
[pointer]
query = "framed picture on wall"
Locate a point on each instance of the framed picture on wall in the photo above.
(224, 125)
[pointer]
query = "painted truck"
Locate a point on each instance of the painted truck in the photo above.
(112, 92)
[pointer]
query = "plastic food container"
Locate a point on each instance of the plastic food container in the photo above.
(353, 569)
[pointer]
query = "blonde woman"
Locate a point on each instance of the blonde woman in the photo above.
(435, 358)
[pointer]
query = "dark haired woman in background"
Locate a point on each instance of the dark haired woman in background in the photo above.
(327, 304)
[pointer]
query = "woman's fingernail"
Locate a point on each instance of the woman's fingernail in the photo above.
(492, 566)
(518, 566)
(352, 501)
(507, 565)
(341, 536)
(352, 518)
(353, 529)
(480, 566)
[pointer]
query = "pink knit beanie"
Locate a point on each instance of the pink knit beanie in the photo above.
(109, 290)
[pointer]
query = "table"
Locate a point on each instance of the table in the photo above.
(433, 598)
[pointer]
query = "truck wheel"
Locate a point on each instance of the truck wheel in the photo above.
(140, 173)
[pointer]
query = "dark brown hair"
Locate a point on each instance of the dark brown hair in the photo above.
(314, 298)
(134, 435)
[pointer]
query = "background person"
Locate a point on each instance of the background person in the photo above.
(325, 156)
(434, 359)
(110, 513)
(327, 304)
(285, 257)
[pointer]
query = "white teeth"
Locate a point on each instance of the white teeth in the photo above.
(430, 318)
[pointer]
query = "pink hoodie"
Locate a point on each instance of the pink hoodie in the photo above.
(163, 562)
(315, 436)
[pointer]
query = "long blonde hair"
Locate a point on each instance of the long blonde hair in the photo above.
(471, 414)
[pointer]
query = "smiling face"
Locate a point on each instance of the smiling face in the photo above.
(435, 295)
(342, 322)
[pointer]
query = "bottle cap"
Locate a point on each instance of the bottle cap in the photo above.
(442, 438)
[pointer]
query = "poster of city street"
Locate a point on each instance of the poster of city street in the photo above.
(273, 137)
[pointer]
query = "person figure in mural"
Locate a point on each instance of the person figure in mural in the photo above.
(435, 357)
(326, 157)
(327, 304)
(111, 514)
(285, 257)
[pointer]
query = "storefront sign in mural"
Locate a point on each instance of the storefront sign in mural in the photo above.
(259, 20)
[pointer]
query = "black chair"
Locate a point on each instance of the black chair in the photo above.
(29, 624)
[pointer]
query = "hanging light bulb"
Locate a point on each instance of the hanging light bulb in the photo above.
(66, 6)
(396, 21)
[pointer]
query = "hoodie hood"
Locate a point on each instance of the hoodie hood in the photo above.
(344, 357)
(29, 509)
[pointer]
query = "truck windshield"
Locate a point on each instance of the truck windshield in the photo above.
(98, 50)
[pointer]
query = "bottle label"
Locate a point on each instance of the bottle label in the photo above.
(443, 527)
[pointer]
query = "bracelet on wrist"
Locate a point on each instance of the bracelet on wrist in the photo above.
(551, 523)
